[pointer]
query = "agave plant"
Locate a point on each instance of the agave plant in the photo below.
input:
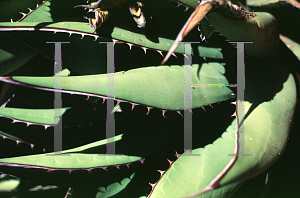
(118, 123)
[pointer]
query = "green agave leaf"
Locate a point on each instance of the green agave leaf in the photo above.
(12, 137)
(65, 169)
(77, 159)
(13, 54)
(199, 169)
(8, 182)
(119, 34)
(100, 192)
(39, 116)
(145, 85)
(84, 113)
(40, 13)
(85, 29)
(262, 30)
(10, 9)
(267, 123)
(70, 51)
(80, 160)
(12, 186)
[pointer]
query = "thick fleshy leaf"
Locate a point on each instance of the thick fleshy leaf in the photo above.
(267, 123)
(145, 85)
(118, 34)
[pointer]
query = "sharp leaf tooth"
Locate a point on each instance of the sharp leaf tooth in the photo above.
(11, 20)
(128, 165)
(203, 108)
(105, 168)
(148, 110)
(163, 113)
(142, 161)
(161, 172)
(130, 45)
(152, 185)
(160, 53)
(199, 29)
(186, 9)
(132, 107)
(170, 162)
(114, 40)
(178, 4)
(145, 49)
(174, 55)
(204, 58)
(96, 37)
(22, 13)
(70, 34)
(82, 35)
(233, 115)
(179, 113)
(185, 55)
(31, 146)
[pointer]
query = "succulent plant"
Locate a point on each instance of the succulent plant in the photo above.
(128, 138)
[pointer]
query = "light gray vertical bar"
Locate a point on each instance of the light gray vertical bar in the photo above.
(187, 97)
(240, 97)
(57, 99)
(110, 117)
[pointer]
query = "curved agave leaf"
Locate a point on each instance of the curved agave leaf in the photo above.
(45, 117)
(78, 159)
(8, 182)
(267, 123)
(10, 9)
(85, 159)
(85, 30)
(102, 192)
(13, 54)
(262, 30)
(144, 86)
